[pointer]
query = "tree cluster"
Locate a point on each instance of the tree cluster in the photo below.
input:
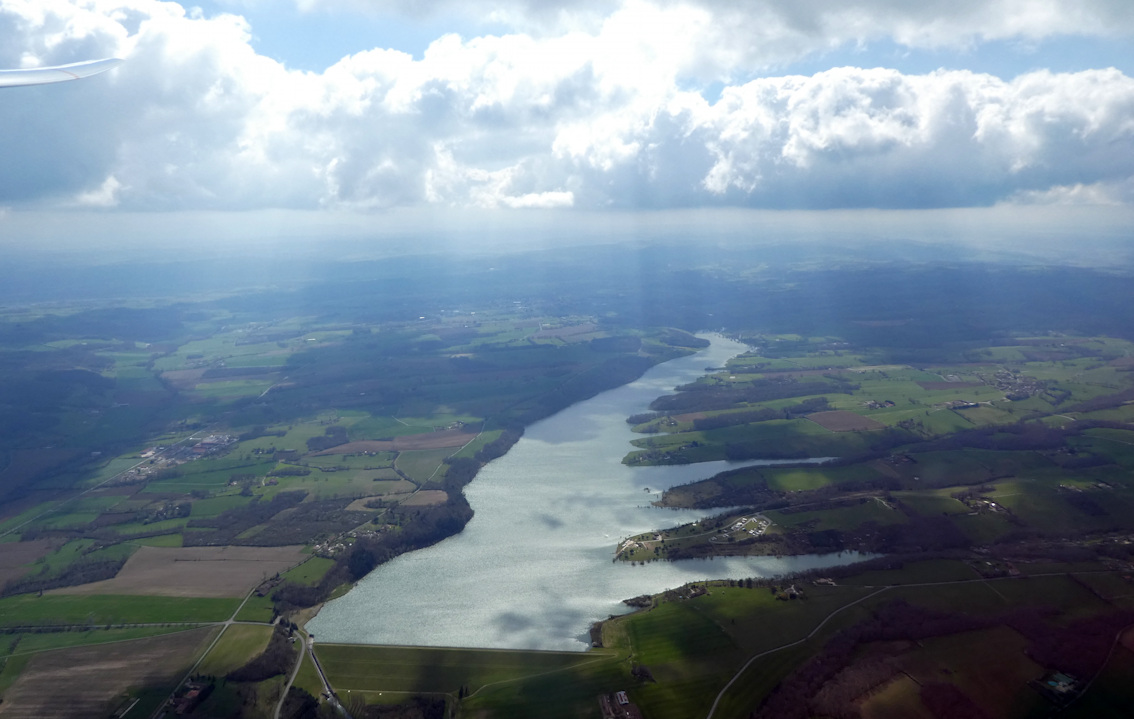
(308, 519)
(261, 431)
(420, 528)
(289, 472)
(643, 417)
(333, 436)
(612, 372)
(1078, 648)
(81, 572)
(299, 704)
(765, 414)
(228, 524)
(705, 398)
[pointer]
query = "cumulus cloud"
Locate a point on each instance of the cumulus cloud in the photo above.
(1099, 193)
(854, 137)
(740, 35)
(597, 114)
(106, 195)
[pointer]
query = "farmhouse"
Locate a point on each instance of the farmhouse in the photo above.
(618, 706)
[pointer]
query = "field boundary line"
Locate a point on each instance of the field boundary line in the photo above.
(1109, 656)
(398, 691)
(450, 456)
(609, 657)
(224, 625)
(112, 641)
(878, 591)
(563, 652)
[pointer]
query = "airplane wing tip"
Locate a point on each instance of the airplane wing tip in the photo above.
(58, 73)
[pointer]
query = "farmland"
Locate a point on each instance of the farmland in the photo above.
(505, 683)
(185, 462)
(763, 623)
(93, 680)
(237, 646)
(145, 440)
(905, 480)
(194, 571)
(30, 610)
(991, 471)
(689, 642)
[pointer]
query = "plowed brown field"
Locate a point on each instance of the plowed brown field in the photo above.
(194, 571)
(86, 681)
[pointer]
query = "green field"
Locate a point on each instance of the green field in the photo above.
(508, 683)
(213, 506)
(932, 502)
(760, 678)
(76, 553)
(95, 610)
(423, 465)
(935, 570)
(380, 461)
(351, 483)
(256, 609)
(719, 632)
(236, 647)
(843, 518)
(232, 388)
(310, 571)
(371, 368)
(308, 677)
(477, 444)
(796, 479)
(777, 438)
(693, 646)
(995, 595)
(18, 644)
(373, 427)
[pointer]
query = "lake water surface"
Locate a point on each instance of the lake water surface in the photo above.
(533, 568)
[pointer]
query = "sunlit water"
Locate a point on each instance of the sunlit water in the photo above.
(533, 568)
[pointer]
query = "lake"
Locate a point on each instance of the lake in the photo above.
(533, 568)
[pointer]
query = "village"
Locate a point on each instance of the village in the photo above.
(651, 545)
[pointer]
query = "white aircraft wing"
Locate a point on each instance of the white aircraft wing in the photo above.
(59, 73)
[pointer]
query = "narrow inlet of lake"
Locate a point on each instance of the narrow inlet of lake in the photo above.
(533, 568)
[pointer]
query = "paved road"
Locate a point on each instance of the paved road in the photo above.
(224, 626)
(309, 650)
(291, 679)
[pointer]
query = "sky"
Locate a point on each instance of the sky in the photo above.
(254, 119)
